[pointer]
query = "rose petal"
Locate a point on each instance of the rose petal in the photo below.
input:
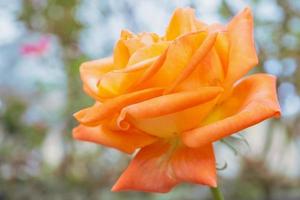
(209, 72)
(127, 141)
(95, 114)
(149, 171)
(147, 52)
(117, 83)
(222, 48)
(91, 73)
(183, 21)
(177, 112)
(141, 40)
(171, 103)
(197, 57)
(253, 100)
(242, 53)
(138, 66)
(149, 72)
(160, 166)
(130, 44)
(121, 55)
(121, 81)
(174, 61)
(195, 165)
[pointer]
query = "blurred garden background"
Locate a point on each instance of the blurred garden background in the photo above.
(43, 42)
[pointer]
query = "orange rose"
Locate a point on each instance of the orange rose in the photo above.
(170, 97)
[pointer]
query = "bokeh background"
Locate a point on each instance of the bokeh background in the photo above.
(43, 42)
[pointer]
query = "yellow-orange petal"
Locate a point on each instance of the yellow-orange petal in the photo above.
(121, 55)
(116, 83)
(91, 72)
(149, 72)
(91, 93)
(177, 112)
(138, 66)
(129, 44)
(175, 59)
(139, 41)
(195, 165)
(94, 115)
(121, 81)
(170, 103)
(127, 141)
(222, 49)
(162, 165)
(221, 45)
(208, 72)
(183, 21)
(197, 57)
(147, 52)
(242, 52)
(253, 100)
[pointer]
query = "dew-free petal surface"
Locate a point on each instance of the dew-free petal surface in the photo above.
(100, 111)
(253, 100)
(195, 165)
(177, 112)
(183, 21)
(162, 165)
(242, 52)
(91, 73)
(127, 141)
(149, 171)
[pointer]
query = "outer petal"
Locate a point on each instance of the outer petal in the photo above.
(160, 166)
(149, 171)
(171, 103)
(177, 112)
(91, 73)
(195, 165)
(242, 53)
(127, 141)
(183, 21)
(97, 113)
(253, 100)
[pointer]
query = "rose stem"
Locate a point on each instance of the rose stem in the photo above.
(216, 193)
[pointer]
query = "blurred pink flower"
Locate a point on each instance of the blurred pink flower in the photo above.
(36, 48)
